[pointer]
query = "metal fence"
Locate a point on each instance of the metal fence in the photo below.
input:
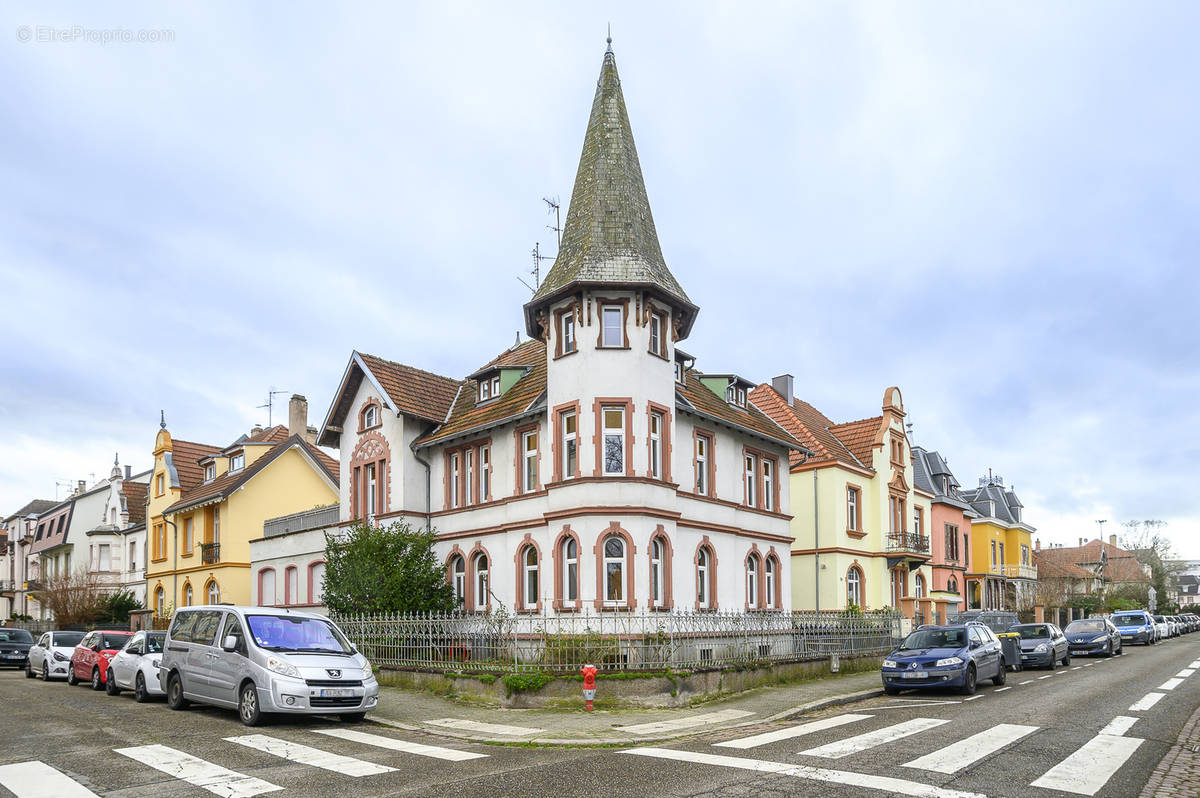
(615, 641)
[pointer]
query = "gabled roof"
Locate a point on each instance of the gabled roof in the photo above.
(35, 507)
(227, 483)
(184, 458)
(806, 424)
(1050, 567)
(135, 500)
(1119, 565)
(859, 437)
(694, 396)
(609, 236)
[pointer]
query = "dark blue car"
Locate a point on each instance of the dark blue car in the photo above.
(945, 656)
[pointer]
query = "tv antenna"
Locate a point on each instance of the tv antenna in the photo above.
(536, 271)
(553, 205)
(270, 405)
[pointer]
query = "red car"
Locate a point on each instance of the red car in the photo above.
(89, 662)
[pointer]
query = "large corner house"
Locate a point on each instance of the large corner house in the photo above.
(591, 467)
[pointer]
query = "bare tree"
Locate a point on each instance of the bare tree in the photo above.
(73, 599)
(1147, 540)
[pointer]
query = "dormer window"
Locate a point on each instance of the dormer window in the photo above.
(736, 395)
(210, 471)
(237, 462)
(371, 416)
(679, 369)
(489, 388)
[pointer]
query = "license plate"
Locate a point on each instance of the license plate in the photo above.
(12, 656)
(339, 692)
(915, 675)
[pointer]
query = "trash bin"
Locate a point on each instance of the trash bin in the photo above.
(1010, 644)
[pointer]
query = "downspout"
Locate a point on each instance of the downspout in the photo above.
(816, 545)
(428, 494)
(174, 561)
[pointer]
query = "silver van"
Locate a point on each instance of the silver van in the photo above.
(262, 660)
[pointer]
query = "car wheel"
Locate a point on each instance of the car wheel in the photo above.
(969, 683)
(1108, 649)
(1001, 675)
(140, 693)
(45, 672)
(1120, 650)
(175, 699)
(72, 679)
(28, 670)
(97, 684)
(1053, 664)
(248, 708)
(1066, 659)
(354, 717)
(887, 688)
(110, 684)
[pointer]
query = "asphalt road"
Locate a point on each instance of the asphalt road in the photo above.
(1063, 730)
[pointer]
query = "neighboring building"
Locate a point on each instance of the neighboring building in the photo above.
(1002, 574)
(1091, 568)
(949, 529)
(19, 529)
(591, 466)
(1062, 584)
(49, 555)
(288, 561)
(206, 503)
(117, 539)
(1187, 586)
(860, 529)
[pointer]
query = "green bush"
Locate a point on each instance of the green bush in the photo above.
(529, 682)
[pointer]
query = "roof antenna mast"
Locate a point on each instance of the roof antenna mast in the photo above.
(553, 205)
(270, 405)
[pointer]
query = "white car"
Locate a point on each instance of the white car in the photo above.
(135, 666)
(50, 657)
(1162, 627)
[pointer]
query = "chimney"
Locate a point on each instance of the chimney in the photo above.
(128, 472)
(1081, 543)
(1112, 540)
(783, 386)
(1037, 545)
(80, 486)
(298, 418)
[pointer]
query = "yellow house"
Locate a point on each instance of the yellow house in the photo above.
(1002, 574)
(860, 530)
(207, 503)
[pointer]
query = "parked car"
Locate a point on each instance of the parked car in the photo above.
(1135, 626)
(957, 655)
(1093, 636)
(1193, 620)
(1180, 626)
(1043, 645)
(135, 667)
(89, 661)
(1162, 627)
(50, 657)
(996, 620)
(260, 661)
(14, 646)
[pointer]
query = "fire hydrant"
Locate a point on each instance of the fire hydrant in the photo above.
(589, 685)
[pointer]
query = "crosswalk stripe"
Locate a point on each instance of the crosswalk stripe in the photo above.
(39, 780)
(1088, 769)
(1146, 701)
(392, 744)
(1186, 672)
(1195, 664)
(214, 778)
(862, 742)
(792, 731)
(315, 757)
(969, 751)
(706, 719)
(886, 784)
(1170, 684)
(1119, 725)
(487, 728)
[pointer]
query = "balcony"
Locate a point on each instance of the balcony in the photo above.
(1016, 571)
(210, 553)
(6, 586)
(32, 585)
(907, 548)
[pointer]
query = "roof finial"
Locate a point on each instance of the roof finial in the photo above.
(162, 416)
(609, 50)
(116, 458)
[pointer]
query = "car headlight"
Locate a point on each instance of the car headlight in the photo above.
(282, 667)
(1040, 648)
(1099, 639)
(889, 663)
(60, 657)
(941, 663)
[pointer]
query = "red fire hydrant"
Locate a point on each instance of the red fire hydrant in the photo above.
(589, 685)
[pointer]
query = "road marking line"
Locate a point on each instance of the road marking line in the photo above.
(1088, 769)
(972, 698)
(969, 751)
(1002, 689)
(1027, 681)
(887, 784)
(1047, 676)
(1170, 684)
(392, 744)
(1119, 725)
(39, 780)
(888, 734)
(706, 719)
(1146, 702)
(1077, 667)
(314, 757)
(793, 731)
(214, 778)
(1195, 664)
(1088, 664)
(1186, 672)
(487, 728)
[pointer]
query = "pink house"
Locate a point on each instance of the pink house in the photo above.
(949, 531)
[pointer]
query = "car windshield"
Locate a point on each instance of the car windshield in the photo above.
(1081, 627)
(935, 638)
(1035, 631)
(285, 633)
(1159, 619)
(15, 636)
(113, 640)
(154, 642)
(1129, 620)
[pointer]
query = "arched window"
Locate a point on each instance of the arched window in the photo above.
(919, 586)
(570, 577)
(266, 587)
(705, 578)
(769, 582)
(658, 597)
(481, 581)
(316, 582)
(370, 416)
(291, 590)
(614, 569)
(952, 585)
(529, 577)
(458, 578)
(752, 581)
(160, 602)
(214, 592)
(187, 594)
(854, 586)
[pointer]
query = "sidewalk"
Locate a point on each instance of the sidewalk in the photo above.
(415, 710)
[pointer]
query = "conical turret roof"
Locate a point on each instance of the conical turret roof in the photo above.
(609, 235)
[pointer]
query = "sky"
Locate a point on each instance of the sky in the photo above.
(990, 205)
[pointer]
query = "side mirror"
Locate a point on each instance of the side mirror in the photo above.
(353, 648)
(974, 644)
(98, 647)
(230, 643)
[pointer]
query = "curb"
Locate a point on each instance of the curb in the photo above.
(563, 742)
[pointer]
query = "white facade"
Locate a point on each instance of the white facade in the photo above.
(288, 561)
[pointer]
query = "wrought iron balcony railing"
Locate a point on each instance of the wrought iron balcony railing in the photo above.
(210, 553)
(908, 541)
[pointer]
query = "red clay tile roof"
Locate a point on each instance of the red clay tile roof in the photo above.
(1053, 568)
(274, 434)
(1122, 566)
(135, 501)
(468, 415)
(807, 424)
(413, 391)
(859, 437)
(699, 396)
(227, 483)
(185, 456)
